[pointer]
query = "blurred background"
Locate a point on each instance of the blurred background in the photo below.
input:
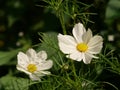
(24, 19)
(21, 20)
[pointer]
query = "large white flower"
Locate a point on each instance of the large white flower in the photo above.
(34, 64)
(82, 45)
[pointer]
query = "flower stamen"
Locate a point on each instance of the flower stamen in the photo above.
(82, 47)
(31, 68)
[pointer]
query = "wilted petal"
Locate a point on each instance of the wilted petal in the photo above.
(78, 31)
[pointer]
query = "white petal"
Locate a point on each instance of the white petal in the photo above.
(22, 69)
(42, 73)
(67, 49)
(45, 65)
(42, 55)
(34, 77)
(22, 59)
(96, 49)
(77, 56)
(87, 58)
(95, 41)
(66, 39)
(91, 55)
(78, 31)
(95, 45)
(66, 43)
(31, 53)
(45, 72)
(87, 36)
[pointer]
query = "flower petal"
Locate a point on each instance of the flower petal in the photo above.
(66, 39)
(45, 73)
(96, 49)
(34, 77)
(22, 59)
(22, 69)
(42, 55)
(77, 56)
(42, 73)
(87, 58)
(95, 41)
(95, 44)
(87, 36)
(78, 31)
(31, 53)
(45, 65)
(66, 43)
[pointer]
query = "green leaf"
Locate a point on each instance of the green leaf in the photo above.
(14, 83)
(49, 43)
(6, 56)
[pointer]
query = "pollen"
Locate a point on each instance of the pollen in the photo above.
(82, 47)
(32, 68)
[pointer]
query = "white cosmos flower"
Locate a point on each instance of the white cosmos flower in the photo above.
(34, 64)
(82, 45)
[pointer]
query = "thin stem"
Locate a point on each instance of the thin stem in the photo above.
(73, 69)
(61, 17)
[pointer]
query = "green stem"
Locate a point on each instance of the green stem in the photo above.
(61, 17)
(73, 69)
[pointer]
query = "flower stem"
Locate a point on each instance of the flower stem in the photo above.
(73, 69)
(61, 17)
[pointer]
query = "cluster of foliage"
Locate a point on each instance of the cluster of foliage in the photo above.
(36, 24)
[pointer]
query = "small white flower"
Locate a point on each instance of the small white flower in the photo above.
(82, 45)
(34, 64)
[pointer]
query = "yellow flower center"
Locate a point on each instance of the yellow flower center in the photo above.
(31, 68)
(82, 47)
